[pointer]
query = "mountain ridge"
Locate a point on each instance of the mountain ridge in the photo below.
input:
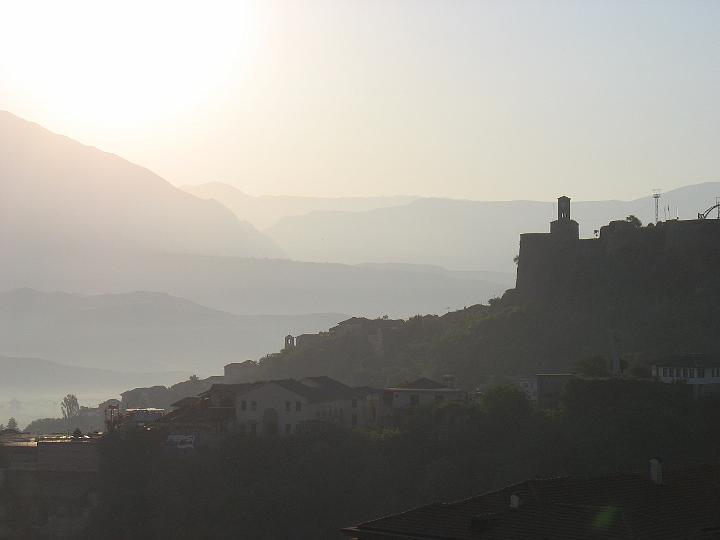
(265, 210)
(137, 331)
(483, 234)
(57, 194)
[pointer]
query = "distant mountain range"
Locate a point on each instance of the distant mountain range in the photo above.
(256, 286)
(265, 211)
(59, 196)
(456, 234)
(31, 378)
(73, 218)
(140, 331)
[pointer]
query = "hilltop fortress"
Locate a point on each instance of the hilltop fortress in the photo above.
(671, 257)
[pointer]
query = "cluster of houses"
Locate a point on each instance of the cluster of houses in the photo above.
(286, 406)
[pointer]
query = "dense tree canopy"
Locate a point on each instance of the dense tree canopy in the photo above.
(310, 485)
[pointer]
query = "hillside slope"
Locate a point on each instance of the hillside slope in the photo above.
(140, 331)
(59, 196)
(638, 292)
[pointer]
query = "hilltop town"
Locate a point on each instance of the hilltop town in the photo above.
(556, 342)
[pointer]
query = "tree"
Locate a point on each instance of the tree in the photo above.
(506, 403)
(70, 407)
(77, 433)
(595, 366)
(634, 221)
(194, 378)
(516, 259)
(12, 424)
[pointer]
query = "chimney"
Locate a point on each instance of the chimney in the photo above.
(515, 501)
(656, 473)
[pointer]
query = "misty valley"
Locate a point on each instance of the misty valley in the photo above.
(367, 270)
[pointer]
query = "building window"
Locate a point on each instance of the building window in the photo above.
(298, 406)
(354, 420)
(253, 428)
(243, 405)
(287, 406)
(414, 400)
(253, 405)
(701, 373)
(439, 397)
(354, 403)
(685, 372)
(665, 372)
(288, 429)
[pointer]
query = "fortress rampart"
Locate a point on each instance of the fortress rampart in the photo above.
(559, 263)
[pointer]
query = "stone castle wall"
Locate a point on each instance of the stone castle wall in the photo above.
(558, 265)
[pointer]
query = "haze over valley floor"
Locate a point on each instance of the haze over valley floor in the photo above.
(229, 274)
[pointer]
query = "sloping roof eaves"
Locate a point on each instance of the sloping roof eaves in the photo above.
(422, 383)
(611, 507)
(688, 360)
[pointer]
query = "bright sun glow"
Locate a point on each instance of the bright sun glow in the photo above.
(123, 63)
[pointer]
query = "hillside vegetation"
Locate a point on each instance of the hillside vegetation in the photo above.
(641, 302)
(331, 478)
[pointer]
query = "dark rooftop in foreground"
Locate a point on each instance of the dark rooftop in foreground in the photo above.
(623, 506)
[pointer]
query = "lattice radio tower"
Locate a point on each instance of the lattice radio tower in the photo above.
(656, 195)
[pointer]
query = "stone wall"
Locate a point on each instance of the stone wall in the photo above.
(558, 267)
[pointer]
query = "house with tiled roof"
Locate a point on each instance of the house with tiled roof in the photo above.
(199, 415)
(420, 393)
(275, 407)
(675, 504)
(701, 371)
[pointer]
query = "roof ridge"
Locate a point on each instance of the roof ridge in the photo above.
(404, 512)
(474, 497)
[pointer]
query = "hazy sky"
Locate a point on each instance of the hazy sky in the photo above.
(477, 99)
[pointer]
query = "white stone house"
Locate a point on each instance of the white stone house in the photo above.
(699, 370)
(280, 407)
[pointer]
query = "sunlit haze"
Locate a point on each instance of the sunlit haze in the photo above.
(483, 100)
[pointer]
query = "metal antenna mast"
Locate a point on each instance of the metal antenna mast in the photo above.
(656, 196)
